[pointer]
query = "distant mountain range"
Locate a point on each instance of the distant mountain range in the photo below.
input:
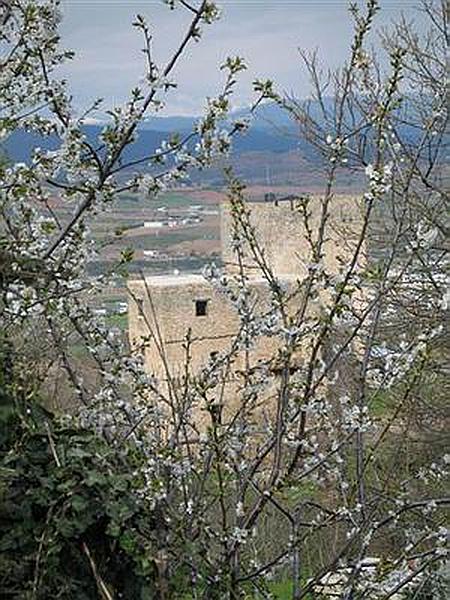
(268, 117)
(270, 151)
(271, 131)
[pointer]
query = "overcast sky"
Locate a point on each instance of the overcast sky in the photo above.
(267, 33)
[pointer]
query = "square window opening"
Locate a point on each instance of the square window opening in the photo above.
(201, 308)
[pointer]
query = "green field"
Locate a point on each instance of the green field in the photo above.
(168, 238)
(130, 202)
(119, 321)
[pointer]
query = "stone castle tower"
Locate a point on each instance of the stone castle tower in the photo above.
(164, 309)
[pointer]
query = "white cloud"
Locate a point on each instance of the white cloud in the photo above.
(267, 33)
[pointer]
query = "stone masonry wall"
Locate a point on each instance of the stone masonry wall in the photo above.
(281, 232)
(169, 305)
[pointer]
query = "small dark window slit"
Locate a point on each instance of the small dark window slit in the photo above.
(201, 308)
(140, 307)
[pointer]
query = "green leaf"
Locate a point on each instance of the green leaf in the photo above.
(79, 503)
(95, 478)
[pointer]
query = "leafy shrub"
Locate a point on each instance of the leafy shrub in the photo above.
(71, 524)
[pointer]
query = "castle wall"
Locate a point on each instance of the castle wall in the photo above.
(280, 230)
(170, 308)
(169, 304)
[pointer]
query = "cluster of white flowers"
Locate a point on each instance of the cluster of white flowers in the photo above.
(425, 236)
(239, 535)
(29, 39)
(338, 146)
(379, 180)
